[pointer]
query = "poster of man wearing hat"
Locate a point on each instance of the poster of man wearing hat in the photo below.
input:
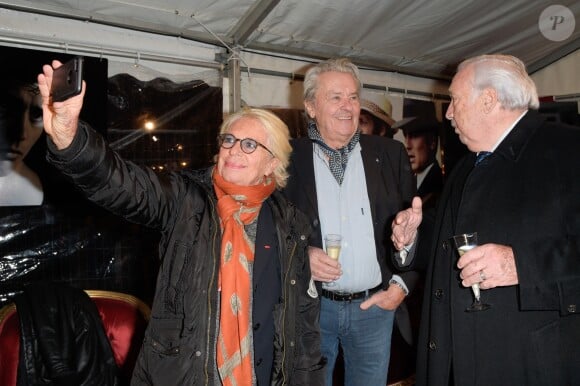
(421, 141)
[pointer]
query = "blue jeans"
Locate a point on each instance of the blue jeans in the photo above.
(365, 337)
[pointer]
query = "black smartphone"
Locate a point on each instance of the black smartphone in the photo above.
(67, 80)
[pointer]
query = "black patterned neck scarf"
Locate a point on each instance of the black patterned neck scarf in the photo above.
(337, 159)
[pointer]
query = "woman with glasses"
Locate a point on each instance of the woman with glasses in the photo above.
(234, 302)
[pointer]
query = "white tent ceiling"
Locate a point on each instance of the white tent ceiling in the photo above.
(425, 38)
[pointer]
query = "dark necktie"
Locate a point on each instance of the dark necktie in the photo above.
(481, 156)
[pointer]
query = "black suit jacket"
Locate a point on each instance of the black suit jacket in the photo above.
(390, 188)
(525, 195)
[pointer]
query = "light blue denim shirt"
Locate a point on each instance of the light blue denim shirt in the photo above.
(345, 209)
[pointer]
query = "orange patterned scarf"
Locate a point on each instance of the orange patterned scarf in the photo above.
(237, 206)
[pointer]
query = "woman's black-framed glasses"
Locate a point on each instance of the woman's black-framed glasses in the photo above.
(248, 145)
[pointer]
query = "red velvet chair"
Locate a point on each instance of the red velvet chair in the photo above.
(124, 317)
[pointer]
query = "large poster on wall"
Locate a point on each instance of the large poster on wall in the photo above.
(48, 230)
(450, 149)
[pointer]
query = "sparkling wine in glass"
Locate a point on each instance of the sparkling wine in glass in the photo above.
(464, 243)
(332, 243)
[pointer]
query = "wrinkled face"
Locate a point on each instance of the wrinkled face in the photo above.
(366, 123)
(419, 150)
(466, 110)
(241, 168)
(336, 108)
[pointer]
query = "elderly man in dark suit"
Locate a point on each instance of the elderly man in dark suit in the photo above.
(351, 184)
(522, 197)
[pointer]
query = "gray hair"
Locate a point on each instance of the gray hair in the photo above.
(330, 65)
(507, 75)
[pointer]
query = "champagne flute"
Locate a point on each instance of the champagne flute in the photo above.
(332, 244)
(464, 243)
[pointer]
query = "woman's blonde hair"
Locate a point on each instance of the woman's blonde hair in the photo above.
(278, 137)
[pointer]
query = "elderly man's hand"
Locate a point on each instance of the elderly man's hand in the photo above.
(323, 267)
(490, 265)
(389, 299)
(406, 223)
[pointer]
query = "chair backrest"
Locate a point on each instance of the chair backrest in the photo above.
(124, 317)
(9, 344)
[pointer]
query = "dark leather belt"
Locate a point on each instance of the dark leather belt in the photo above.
(347, 297)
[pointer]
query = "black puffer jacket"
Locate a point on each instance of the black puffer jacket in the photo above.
(179, 346)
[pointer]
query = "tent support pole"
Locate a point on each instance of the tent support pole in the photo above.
(235, 81)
